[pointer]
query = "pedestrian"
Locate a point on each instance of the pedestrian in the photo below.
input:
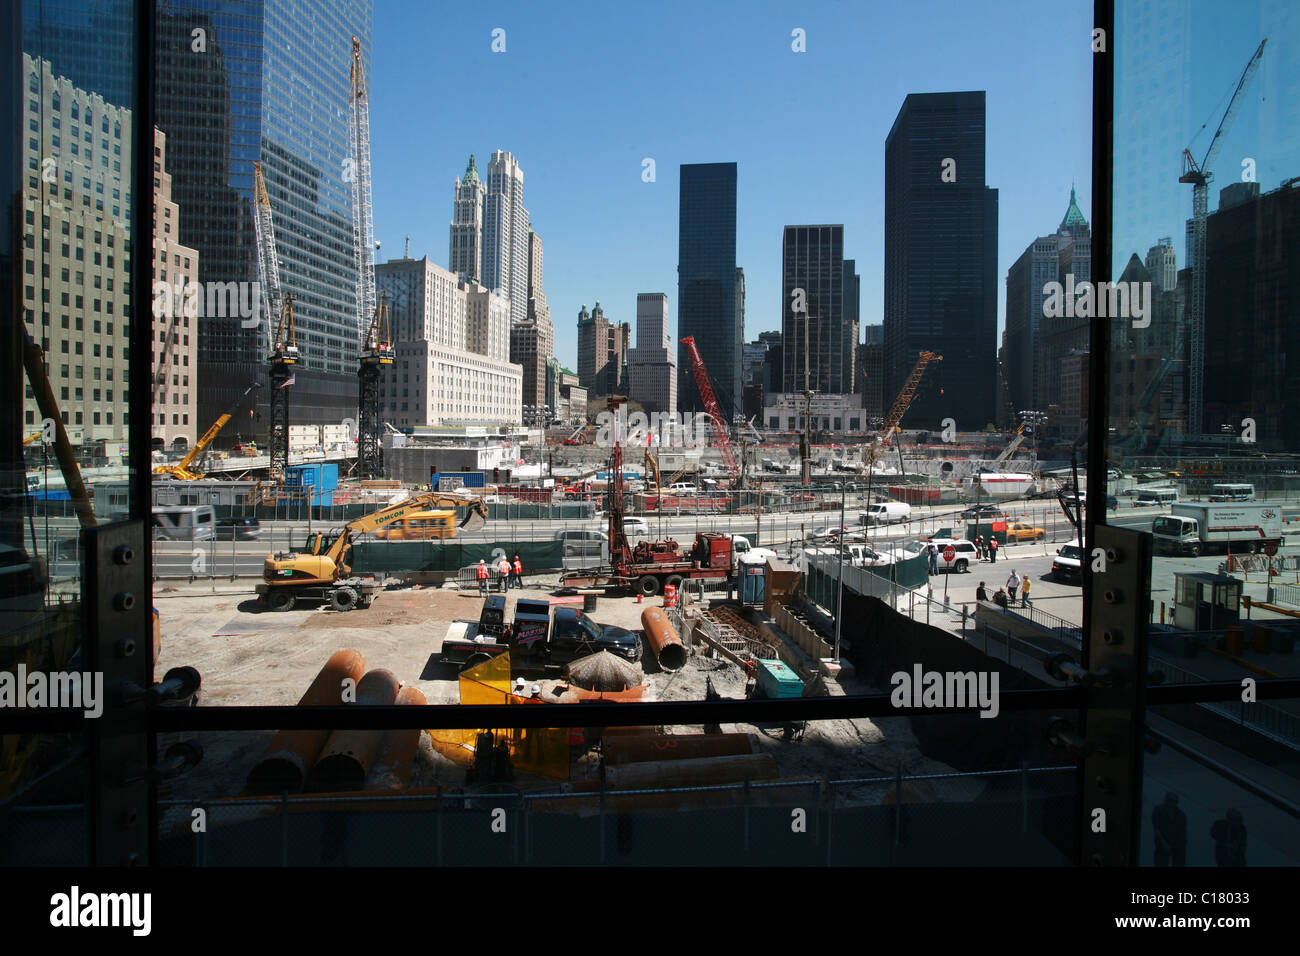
(1024, 591)
(1169, 824)
(993, 549)
(1229, 836)
(1013, 582)
(481, 572)
(517, 575)
(981, 593)
(503, 574)
(933, 550)
(979, 546)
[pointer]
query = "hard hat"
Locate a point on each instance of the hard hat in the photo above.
(536, 688)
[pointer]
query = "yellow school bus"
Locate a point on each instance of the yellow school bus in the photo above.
(421, 526)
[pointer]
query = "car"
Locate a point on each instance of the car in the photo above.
(633, 525)
(1068, 563)
(964, 557)
(830, 532)
(573, 536)
(1022, 532)
(1112, 502)
(982, 511)
(238, 529)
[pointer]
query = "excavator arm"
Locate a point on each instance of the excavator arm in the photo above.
(182, 468)
(474, 519)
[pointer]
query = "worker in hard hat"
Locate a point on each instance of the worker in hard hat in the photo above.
(481, 572)
(503, 574)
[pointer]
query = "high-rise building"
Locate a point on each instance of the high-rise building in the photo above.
(272, 85)
(601, 348)
(1162, 264)
(506, 234)
(76, 303)
(532, 342)
(451, 349)
(871, 372)
(466, 251)
(652, 365)
(812, 282)
(707, 283)
(852, 321)
(941, 225)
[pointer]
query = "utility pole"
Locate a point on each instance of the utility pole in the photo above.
(807, 405)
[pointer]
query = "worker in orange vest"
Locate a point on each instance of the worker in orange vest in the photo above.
(517, 579)
(481, 572)
(503, 573)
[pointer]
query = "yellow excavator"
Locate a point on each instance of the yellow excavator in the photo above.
(181, 469)
(320, 571)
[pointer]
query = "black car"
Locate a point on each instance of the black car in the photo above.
(981, 511)
(238, 529)
(575, 635)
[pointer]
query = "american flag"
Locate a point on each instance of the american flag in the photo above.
(287, 382)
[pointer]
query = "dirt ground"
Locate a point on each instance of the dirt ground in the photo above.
(248, 656)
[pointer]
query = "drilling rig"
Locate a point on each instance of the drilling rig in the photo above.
(375, 345)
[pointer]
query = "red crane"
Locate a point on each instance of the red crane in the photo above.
(711, 406)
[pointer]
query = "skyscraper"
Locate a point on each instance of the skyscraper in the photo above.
(706, 282)
(272, 85)
(941, 224)
(466, 252)
(812, 276)
(532, 342)
(601, 348)
(506, 230)
(652, 365)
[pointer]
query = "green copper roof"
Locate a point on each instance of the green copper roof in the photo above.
(1073, 217)
(471, 171)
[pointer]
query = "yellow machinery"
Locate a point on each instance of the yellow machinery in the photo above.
(320, 571)
(181, 469)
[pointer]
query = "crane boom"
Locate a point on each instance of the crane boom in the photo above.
(363, 229)
(1010, 449)
(182, 468)
(268, 268)
(906, 394)
(720, 437)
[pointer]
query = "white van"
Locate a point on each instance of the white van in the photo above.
(886, 512)
(184, 523)
(683, 488)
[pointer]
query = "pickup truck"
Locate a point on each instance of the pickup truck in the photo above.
(541, 638)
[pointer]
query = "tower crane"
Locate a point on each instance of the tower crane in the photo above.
(904, 401)
(1010, 449)
(1199, 176)
(282, 344)
(375, 344)
(719, 426)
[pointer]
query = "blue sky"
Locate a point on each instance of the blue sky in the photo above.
(586, 91)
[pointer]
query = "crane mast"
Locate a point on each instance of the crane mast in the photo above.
(705, 387)
(1199, 177)
(373, 342)
(281, 340)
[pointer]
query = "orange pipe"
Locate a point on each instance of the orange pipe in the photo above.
(347, 755)
(284, 764)
(663, 640)
(391, 768)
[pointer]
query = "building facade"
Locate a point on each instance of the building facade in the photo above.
(813, 319)
(451, 349)
(941, 226)
(506, 234)
(532, 342)
(601, 348)
(652, 365)
(706, 282)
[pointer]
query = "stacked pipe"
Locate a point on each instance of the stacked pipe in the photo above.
(348, 754)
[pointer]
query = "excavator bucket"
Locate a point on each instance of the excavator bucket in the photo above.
(475, 518)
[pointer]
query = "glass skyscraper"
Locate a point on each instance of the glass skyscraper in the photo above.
(241, 81)
(941, 254)
(706, 283)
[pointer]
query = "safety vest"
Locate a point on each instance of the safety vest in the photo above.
(503, 568)
(481, 572)
(519, 566)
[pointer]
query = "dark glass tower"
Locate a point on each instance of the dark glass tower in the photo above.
(941, 239)
(271, 85)
(812, 259)
(706, 283)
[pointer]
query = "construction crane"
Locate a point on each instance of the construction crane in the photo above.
(375, 344)
(906, 394)
(281, 340)
(1010, 449)
(719, 426)
(181, 469)
(1199, 176)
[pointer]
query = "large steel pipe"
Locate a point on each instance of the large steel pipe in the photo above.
(290, 754)
(663, 640)
(346, 757)
(391, 768)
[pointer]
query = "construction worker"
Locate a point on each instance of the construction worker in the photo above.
(503, 573)
(481, 572)
(993, 549)
(517, 573)
(1024, 591)
(979, 546)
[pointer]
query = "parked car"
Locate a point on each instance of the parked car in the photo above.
(1022, 532)
(635, 526)
(962, 560)
(982, 511)
(1068, 563)
(238, 529)
(574, 536)
(819, 533)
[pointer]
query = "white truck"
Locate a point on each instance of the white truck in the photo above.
(886, 512)
(1199, 528)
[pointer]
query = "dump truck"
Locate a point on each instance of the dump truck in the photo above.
(320, 571)
(541, 638)
(1198, 528)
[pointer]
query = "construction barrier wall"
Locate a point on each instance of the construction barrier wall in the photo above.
(398, 557)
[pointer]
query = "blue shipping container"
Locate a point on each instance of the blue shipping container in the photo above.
(469, 479)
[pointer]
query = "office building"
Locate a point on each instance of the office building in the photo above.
(601, 348)
(813, 313)
(466, 248)
(707, 283)
(532, 342)
(941, 224)
(272, 85)
(652, 365)
(506, 234)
